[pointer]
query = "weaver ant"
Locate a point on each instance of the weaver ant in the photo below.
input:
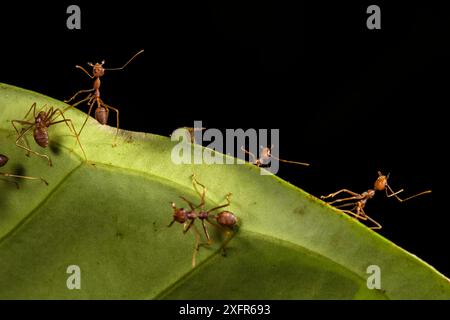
(3, 161)
(40, 124)
(358, 201)
(224, 219)
(266, 156)
(102, 111)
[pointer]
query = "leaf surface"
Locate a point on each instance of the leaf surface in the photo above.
(109, 216)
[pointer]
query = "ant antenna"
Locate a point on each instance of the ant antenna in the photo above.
(294, 162)
(269, 154)
(115, 69)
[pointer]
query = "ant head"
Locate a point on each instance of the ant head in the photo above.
(179, 214)
(97, 69)
(3, 160)
(226, 219)
(265, 152)
(381, 182)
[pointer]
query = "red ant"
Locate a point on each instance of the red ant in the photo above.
(266, 156)
(40, 123)
(102, 111)
(225, 219)
(358, 201)
(3, 161)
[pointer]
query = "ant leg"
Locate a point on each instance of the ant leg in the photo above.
(255, 160)
(198, 243)
(332, 195)
(377, 225)
(19, 133)
(91, 105)
(188, 226)
(196, 247)
(222, 206)
(191, 205)
(22, 177)
(171, 223)
(76, 94)
(345, 199)
(355, 215)
(117, 116)
(71, 128)
(345, 205)
(205, 229)
(202, 194)
(403, 200)
(29, 149)
(89, 97)
(392, 194)
(33, 107)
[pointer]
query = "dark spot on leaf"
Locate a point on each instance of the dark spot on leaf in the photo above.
(300, 210)
(19, 170)
(55, 148)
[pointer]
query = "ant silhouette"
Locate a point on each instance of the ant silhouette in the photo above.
(266, 156)
(359, 200)
(102, 111)
(225, 219)
(40, 124)
(3, 161)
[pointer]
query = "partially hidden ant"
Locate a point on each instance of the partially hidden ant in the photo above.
(358, 200)
(266, 156)
(3, 161)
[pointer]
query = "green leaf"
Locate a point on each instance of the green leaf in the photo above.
(110, 217)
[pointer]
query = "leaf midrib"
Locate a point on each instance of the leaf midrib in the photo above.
(266, 237)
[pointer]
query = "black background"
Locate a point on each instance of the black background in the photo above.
(348, 100)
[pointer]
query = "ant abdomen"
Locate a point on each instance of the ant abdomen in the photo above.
(101, 114)
(226, 219)
(40, 135)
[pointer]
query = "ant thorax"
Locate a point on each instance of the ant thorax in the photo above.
(369, 194)
(203, 215)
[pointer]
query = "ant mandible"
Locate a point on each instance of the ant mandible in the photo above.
(358, 201)
(40, 124)
(102, 111)
(224, 219)
(3, 161)
(266, 156)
